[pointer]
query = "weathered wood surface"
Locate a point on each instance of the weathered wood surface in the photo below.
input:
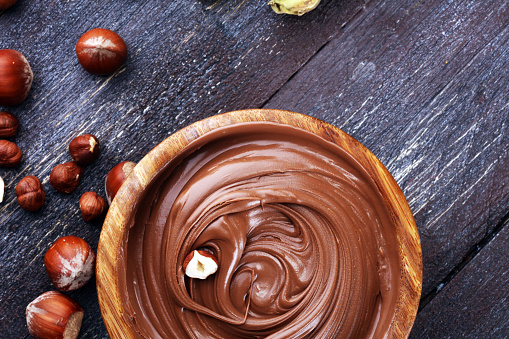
(423, 84)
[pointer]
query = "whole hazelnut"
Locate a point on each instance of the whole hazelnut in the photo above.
(116, 177)
(65, 178)
(8, 124)
(16, 77)
(200, 264)
(84, 149)
(4, 4)
(10, 154)
(92, 206)
(101, 51)
(70, 263)
(30, 194)
(54, 315)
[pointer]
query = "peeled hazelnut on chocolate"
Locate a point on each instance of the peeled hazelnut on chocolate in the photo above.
(10, 154)
(84, 149)
(16, 77)
(8, 124)
(116, 177)
(70, 263)
(92, 206)
(101, 51)
(65, 178)
(30, 194)
(4, 4)
(54, 315)
(200, 264)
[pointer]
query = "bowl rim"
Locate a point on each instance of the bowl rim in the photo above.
(114, 226)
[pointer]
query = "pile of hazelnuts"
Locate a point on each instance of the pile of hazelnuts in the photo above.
(70, 261)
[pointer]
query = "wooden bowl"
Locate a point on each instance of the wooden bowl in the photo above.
(114, 226)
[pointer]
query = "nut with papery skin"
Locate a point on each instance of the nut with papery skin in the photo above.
(200, 264)
(92, 206)
(116, 177)
(4, 4)
(10, 154)
(65, 178)
(30, 194)
(8, 124)
(84, 149)
(70, 263)
(54, 315)
(101, 51)
(16, 77)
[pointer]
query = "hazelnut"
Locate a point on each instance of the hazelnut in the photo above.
(65, 178)
(101, 51)
(84, 149)
(70, 263)
(200, 264)
(116, 177)
(54, 315)
(8, 124)
(10, 154)
(30, 194)
(4, 4)
(15, 77)
(92, 206)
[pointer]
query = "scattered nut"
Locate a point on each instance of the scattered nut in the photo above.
(65, 178)
(116, 177)
(16, 77)
(200, 264)
(54, 315)
(4, 4)
(30, 194)
(10, 154)
(8, 124)
(2, 189)
(84, 149)
(295, 7)
(101, 51)
(70, 263)
(92, 206)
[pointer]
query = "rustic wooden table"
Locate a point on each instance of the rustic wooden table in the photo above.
(423, 84)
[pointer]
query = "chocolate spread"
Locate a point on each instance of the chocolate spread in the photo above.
(304, 240)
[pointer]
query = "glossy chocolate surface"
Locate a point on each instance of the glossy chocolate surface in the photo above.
(305, 242)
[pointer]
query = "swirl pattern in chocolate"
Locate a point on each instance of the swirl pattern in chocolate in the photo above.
(305, 243)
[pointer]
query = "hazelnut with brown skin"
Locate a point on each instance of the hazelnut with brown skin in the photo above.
(30, 194)
(92, 206)
(70, 263)
(65, 178)
(116, 177)
(10, 154)
(54, 315)
(101, 51)
(16, 77)
(84, 149)
(8, 124)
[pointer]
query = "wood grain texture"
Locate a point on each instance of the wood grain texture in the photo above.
(424, 86)
(476, 303)
(115, 226)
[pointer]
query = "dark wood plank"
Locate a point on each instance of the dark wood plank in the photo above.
(187, 60)
(475, 303)
(424, 86)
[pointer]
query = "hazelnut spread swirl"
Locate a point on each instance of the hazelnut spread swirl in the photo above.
(304, 241)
